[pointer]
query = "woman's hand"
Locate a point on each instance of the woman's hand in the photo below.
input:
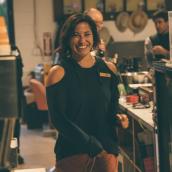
(123, 120)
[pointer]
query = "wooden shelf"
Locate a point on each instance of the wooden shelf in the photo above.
(138, 141)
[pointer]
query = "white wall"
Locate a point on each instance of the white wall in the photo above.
(24, 29)
(128, 35)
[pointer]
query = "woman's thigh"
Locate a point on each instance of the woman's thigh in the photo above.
(106, 163)
(76, 163)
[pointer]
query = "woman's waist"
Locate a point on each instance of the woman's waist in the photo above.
(107, 141)
(69, 150)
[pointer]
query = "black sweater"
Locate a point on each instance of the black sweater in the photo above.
(82, 107)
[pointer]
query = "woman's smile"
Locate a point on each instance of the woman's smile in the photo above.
(82, 41)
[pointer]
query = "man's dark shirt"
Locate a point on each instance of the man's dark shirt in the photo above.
(163, 40)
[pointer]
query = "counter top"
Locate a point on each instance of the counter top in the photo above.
(140, 85)
(144, 116)
(163, 67)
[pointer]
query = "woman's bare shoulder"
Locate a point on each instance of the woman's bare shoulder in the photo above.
(111, 66)
(55, 75)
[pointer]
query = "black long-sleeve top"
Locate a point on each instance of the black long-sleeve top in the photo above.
(82, 107)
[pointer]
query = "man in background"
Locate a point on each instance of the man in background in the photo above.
(97, 16)
(157, 46)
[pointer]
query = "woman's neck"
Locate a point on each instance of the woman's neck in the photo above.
(87, 62)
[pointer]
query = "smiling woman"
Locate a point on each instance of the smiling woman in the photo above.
(82, 41)
(69, 31)
(82, 98)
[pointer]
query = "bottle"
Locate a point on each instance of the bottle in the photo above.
(101, 53)
(115, 58)
(13, 156)
(122, 90)
(101, 50)
(122, 93)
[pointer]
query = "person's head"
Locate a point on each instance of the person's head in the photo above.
(97, 16)
(160, 19)
(79, 36)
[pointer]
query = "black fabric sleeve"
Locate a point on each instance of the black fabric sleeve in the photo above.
(57, 105)
(115, 97)
(114, 106)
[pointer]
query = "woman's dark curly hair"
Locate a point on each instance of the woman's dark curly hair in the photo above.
(68, 30)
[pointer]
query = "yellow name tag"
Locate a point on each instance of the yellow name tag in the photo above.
(102, 74)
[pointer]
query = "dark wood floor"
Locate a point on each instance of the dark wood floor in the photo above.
(36, 149)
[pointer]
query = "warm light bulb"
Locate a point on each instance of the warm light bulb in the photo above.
(2, 1)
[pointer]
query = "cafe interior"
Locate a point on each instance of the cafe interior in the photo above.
(28, 43)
